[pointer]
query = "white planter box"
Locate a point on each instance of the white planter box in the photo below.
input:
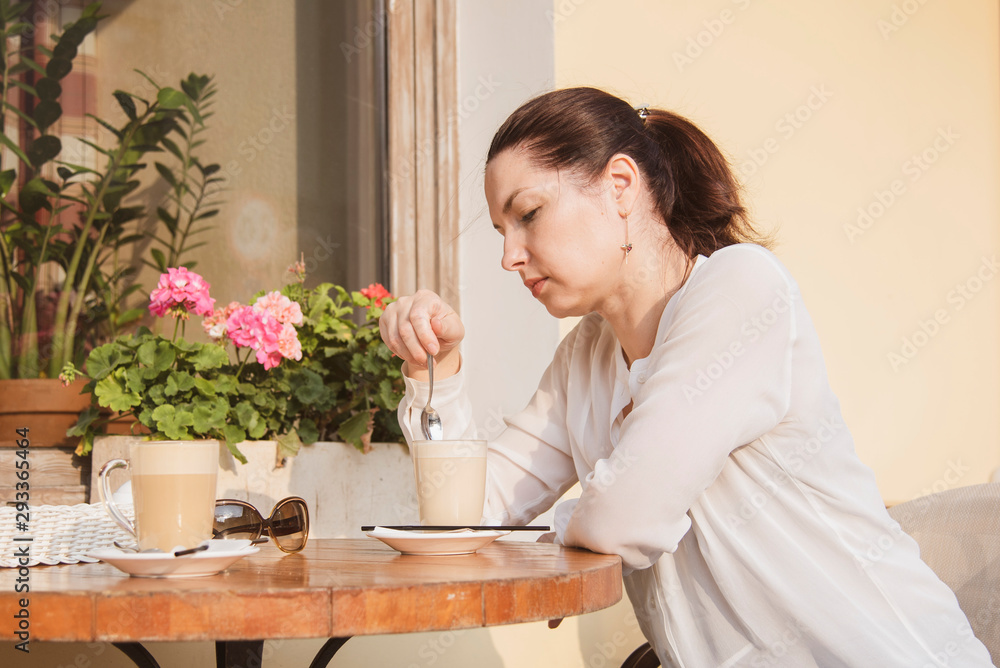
(343, 488)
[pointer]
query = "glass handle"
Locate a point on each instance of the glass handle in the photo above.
(108, 500)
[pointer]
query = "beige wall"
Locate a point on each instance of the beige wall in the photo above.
(885, 87)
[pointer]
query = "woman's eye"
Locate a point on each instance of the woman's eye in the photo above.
(528, 217)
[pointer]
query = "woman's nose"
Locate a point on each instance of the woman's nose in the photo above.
(514, 254)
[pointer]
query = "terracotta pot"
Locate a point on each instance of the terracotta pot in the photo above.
(47, 408)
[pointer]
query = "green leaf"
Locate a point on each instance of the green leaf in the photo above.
(158, 257)
(15, 11)
(103, 360)
(28, 63)
(126, 102)
(168, 218)
(65, 50)
(167, 174)
(171, 98)
(177, 382)
(58, 68)
(7, 178)
(157, 355)
(310, 391)
(87, 416)
(354, 427)
(226, 385)
(172, 147)
(205, 388)
(308, 431)
(112, 393)
(43, 149)
(46, 113)
(234, 436)
(9, 143)
(173, 422)
(288, 444)
(210, 416)
(107, 126)
(48, 89)
(23, 86)
(209, 356)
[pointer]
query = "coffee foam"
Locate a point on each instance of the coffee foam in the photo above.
(449, 449)
(174, 457)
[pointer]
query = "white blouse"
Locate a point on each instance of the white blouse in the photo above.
(750, 532)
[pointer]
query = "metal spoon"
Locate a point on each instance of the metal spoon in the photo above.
(430, 421)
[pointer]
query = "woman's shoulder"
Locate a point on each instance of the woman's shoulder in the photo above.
(744, 267)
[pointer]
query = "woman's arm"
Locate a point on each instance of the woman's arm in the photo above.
(719, 380)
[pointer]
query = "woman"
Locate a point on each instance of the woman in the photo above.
(691, 402)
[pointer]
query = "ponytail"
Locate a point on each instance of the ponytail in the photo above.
(693, 188)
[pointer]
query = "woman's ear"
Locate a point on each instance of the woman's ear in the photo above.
(624, 176)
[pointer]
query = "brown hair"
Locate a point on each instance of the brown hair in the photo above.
(581, 129)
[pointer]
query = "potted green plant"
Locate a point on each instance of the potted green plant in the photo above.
(294, 366)
(55, 214)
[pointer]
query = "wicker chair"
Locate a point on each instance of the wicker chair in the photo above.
(958, 531)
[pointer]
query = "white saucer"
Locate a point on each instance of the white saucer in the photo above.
(219, 556)
(435, 543)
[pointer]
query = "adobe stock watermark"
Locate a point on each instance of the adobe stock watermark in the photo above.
(223, 7)
(750, 506)
(711, 31)
(563, 10)
(750, 332)
(256, 144)
(775, 652)
(880, 546)
(364, 36)
(786, 127)
(913, 168)
(957, 298)
(899, 16)
(426, 151)
(432, 650)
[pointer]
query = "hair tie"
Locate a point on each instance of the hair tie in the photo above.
(643, 111)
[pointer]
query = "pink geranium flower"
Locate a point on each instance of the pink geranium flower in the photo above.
(281, 307)
(216, 323)
(243, 327)
(288, 343)
(180, 292)
(272, 340)
(377, 293)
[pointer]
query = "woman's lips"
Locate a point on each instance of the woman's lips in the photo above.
(535, 286)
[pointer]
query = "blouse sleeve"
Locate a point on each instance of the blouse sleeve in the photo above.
(529, 465)
(720, 378)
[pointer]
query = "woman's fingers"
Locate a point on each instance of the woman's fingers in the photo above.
(415, 326)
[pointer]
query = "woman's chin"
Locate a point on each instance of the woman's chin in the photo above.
(564, 311)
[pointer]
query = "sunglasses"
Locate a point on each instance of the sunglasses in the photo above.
(288, 523)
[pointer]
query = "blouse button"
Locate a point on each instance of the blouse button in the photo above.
(641, 378)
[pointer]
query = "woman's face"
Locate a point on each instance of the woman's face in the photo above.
(561, 238)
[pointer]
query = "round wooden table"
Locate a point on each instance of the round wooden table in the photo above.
(335, 589)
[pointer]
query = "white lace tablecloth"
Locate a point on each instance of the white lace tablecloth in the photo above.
(58, 534)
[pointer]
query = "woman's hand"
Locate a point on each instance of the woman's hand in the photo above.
(415, 326)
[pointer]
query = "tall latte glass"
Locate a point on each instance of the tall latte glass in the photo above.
(451, 481)
(173, 492)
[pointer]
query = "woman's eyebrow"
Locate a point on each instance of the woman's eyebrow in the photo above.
(510, 200)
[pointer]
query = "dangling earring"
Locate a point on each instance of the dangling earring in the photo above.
(627, 246)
